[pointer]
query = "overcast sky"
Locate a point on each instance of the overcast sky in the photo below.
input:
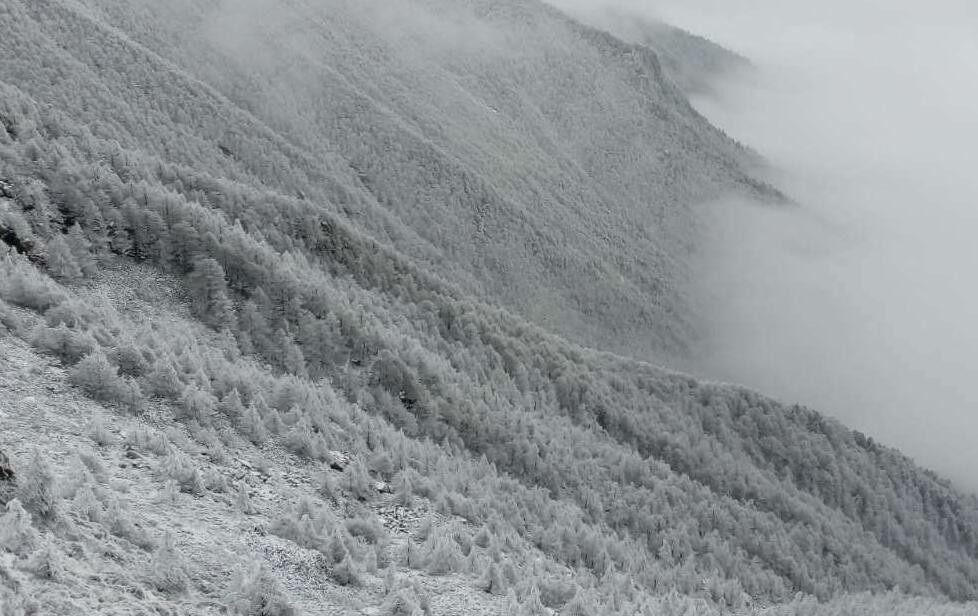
(864, 304)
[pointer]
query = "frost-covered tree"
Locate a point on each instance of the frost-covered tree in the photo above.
(242, 500)
(61, 261)
(81, 250)
(493, 583)
(163, 380)
(129, 359)
(197, 405)
(17, 533)
(403, 491)
(346, 572)
(593, 459)
(252, 425)
(356, 481)
(231, 406)
(87, 505)
(36, 488)
(66, 344)
(98, 377)
(131, 397)
(167, 569)
(209, 293)
(255, 592)
(442, 554)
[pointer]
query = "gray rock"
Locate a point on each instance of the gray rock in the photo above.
(8, 479)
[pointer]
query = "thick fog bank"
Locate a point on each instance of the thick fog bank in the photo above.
(863, 301)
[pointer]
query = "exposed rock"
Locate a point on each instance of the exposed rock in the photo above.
(339, 460)
(6, 471)
(8, 479)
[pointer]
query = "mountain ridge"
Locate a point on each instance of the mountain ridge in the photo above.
(485, 262)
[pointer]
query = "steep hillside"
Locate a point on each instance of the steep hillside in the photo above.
(691, 62)
(144, 504)
(271, 265)
(542, 164)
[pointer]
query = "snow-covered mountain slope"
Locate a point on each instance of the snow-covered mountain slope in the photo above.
(543, 164)
(308, 290)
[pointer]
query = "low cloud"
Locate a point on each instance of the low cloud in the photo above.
(862, 301)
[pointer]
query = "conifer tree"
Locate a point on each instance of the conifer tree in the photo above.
(242, 500)
(232, 407)
(390, 578)
(300, 439)
(98, 377)
(46, 563)
(99, 432)
(292, 416)
(254, 592)
(167, 571)
(356, 480)
(129, 359)
(289, 354)
(403, 494)
(81, 249)
(60, 260)
(345, 572)
(131, 397)
(381, 463)
(274, 423)
(74, 313)
(483, 538)
(492, 582)
(336, 545)
(68, 345)
(400, 602)
(197, 405)
(163, 380)
(253, 330)
(86, 504)
(443, 555)
(243, 339)
(252, 426)
(17, 532)
(209, 293)
(532, 604)
(36, 489)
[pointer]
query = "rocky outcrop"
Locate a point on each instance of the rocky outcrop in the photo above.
(8, 479)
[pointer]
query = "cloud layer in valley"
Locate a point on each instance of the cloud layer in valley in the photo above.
(861, 302)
